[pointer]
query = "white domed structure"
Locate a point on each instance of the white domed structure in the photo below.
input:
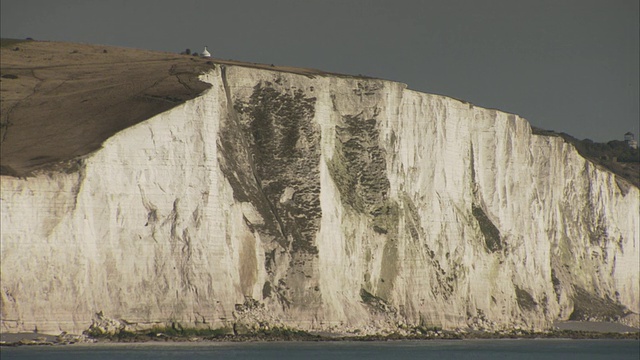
(630, 139)
(205, 53)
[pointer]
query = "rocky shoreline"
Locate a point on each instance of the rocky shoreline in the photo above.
(285, 334)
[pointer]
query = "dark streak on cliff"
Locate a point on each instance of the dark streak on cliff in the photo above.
(492, 238)
(285, 147)
(236, 162)
(359, 169)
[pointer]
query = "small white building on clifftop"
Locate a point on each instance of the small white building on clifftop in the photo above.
(630, 139)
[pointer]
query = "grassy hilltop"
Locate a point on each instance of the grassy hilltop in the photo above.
(62, 100)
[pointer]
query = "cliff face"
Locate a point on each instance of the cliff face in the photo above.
(324, 203)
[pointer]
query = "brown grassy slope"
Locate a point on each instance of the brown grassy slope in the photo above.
(62, 100)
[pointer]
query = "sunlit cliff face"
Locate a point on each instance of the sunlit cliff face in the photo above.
(326, 203)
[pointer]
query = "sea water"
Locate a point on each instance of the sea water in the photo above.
(450, 349)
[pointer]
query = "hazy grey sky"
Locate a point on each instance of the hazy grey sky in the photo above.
(565, 65)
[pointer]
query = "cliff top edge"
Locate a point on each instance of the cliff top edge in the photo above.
(62, 100)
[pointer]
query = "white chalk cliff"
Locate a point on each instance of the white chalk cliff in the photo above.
(321, 203)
